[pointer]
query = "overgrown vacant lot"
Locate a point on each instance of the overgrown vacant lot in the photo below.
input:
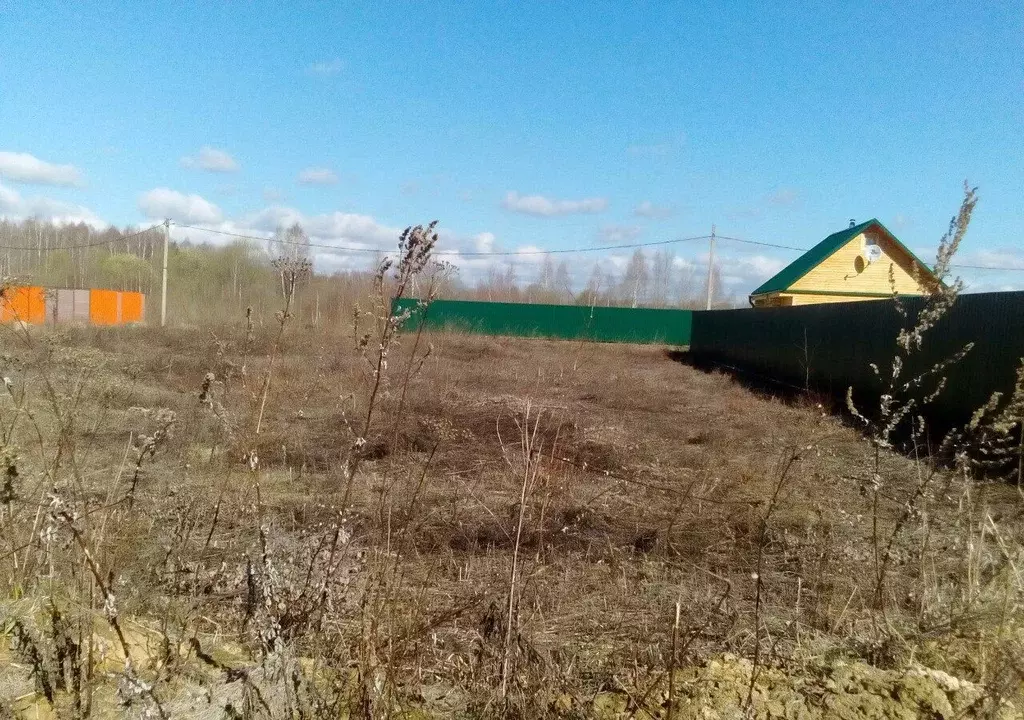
(505, 527)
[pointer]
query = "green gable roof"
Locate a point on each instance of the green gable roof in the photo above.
(817, 254)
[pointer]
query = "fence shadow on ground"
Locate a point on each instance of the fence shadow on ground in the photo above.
(757, 383)
(939, 424)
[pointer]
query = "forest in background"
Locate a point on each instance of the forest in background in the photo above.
(209, 284)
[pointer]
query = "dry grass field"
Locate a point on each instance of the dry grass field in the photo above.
(296, 524)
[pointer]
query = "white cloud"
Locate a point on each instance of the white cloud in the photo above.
(459, 251)
(529, 252)
(978, 282)
(270, 218)
(317, 176)
(326, 68)
(25, 168)
(761, 265)
(1002, 258)
(524, 255)
(484, 242)
(647, 209)
(618, 262)
(62, 212)
(619, 233)
(337, 228)
(210, 159)
(742, 274)
(994, 269)
(546, 207)
(163, 202)
(352, 227)
(13, 206)
(9, 199)
(272, 195)
(353, 240)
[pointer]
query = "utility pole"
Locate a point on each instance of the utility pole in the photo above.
(163, 278)
(711, 266)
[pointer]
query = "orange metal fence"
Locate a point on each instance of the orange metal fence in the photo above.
(133, 307)
(104, 307)
(23, 304)
(36, 305)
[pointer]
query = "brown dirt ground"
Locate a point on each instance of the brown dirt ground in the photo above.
(653, 481)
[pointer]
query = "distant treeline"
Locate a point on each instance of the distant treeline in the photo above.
(646, 280)
(210, 284)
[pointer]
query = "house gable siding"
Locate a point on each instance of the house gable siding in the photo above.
(841, 273)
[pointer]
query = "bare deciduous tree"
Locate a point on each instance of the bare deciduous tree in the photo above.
(291, 243)
(661, 277)
(635, 279)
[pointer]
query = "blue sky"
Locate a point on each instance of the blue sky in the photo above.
(524, 125)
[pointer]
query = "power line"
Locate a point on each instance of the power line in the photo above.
(762, 244)
(459, 253)
(800, 249)
(96, 243)
(559, 251)
(987, 267)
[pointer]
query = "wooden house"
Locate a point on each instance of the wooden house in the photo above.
(863, 262)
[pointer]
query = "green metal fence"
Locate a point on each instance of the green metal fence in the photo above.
(824, 348)
(829, 348)
(565, 322)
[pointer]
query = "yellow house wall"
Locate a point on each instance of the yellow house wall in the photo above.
(838, 274)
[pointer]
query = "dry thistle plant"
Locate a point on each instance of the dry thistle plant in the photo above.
(392, 281)
(901, 399)
(996, 435)
(902, 395)
(982, 597)
(378, 660)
